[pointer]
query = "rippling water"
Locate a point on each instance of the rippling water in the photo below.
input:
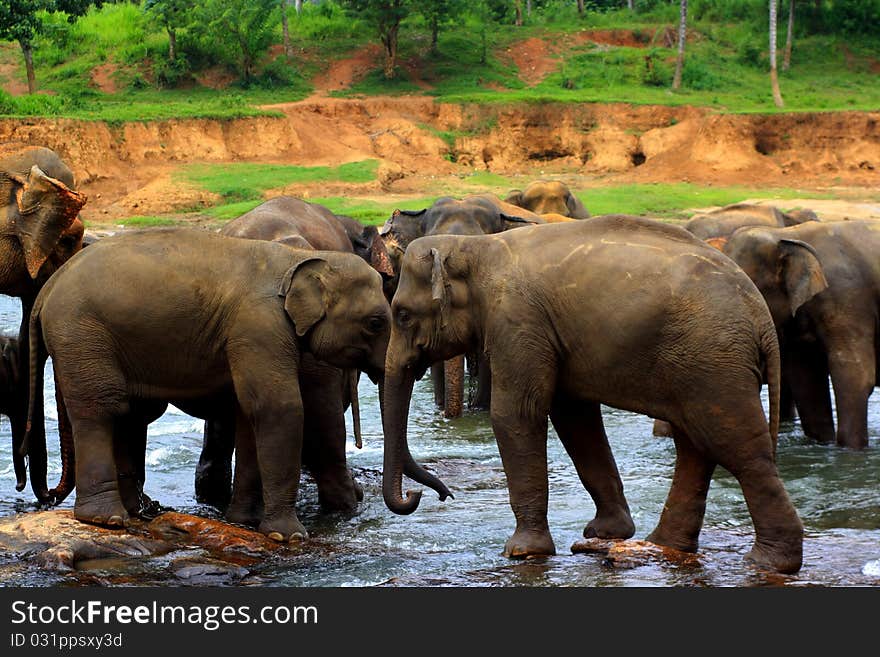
(458, 542)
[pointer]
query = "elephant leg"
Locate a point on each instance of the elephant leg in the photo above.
(682, 515)
(582, 433)
(852, 365)
(787, 404)
(483, 395)
(214, 470)
(129, 446)
(453, 378)
(324, 439)
(98, 499)
(246, 504)
(806, 369)
(522, 442)
(439, 383)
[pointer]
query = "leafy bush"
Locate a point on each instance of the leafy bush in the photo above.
(656, 73)
(697, 75)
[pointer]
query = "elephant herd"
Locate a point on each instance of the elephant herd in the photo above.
(263, 330)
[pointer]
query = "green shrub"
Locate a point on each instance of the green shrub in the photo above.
(697, 75)
(656, 73)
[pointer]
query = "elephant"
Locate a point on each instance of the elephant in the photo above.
(13, 404)
(479, 214)
(549, 197)
(327, 391)
(618, 310)
(228, 328)
(41, 231)
(718, 225)
(821, 282)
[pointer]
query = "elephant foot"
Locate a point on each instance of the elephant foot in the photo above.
(661, 536)
(104, 509)
(780, 559)
(340, 494)
(245, 512)
(618, 524)
(150, 509)
(283, 529)
(529, 543)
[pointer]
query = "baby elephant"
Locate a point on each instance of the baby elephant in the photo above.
(201, 321)
(620, 311)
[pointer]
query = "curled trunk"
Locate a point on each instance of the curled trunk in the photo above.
(395, 393)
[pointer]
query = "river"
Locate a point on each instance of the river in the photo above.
(459, 542)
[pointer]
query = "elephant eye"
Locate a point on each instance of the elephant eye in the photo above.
(403, 318)
(375, 324)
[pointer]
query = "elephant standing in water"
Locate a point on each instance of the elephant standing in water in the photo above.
(480, 214)
(202, 321)
(549, 197)
(821, 282)
(327, 391)
(41, 231)
(599, 312)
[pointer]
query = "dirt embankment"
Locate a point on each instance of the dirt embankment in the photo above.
(127, 168)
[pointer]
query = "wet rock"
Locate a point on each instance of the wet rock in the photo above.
(632, 553)
(207, 572)
(56, 541)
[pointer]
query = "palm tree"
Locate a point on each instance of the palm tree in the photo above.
(774, 76)
(786, 59)
(682, 35)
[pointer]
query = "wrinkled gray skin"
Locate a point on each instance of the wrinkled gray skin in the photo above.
(715, 228)
(327, 391)
(617, 310)
(231, 326)
(480, 214)
(39, 232)
(549, 197)
(821, 282)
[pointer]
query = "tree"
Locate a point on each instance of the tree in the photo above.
(774, 76)
(172, 15)
(518, 21)
(20, 21)
(786, 59)
(385, 16)
(682, 36)
(439, 13)
(242, 26)
(285, 29)
(581, 7)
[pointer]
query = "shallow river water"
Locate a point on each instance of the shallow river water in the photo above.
(458, 542)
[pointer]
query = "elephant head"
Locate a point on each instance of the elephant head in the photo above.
(549, 197)
(433, 319)
(41, 214)
(787, 272)
(337, 306)
(473, 215)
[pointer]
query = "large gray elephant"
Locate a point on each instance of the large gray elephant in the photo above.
(202, 321)
(602, 311)
(549, 197)
(721, 223)
(327, 391)
(479, 214)
(41, 232)
(821, 282)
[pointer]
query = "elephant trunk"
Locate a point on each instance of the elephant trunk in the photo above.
(34, 443)
(353, 376)
(395, 393)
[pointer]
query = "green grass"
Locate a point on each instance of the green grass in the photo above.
(675, 201)
(148, 222)
(247, 181)
(370, 212)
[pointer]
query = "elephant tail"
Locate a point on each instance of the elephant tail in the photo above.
(773, 374)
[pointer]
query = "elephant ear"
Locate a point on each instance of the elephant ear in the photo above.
(46, 208)
(509, 221)
(296, 242)
(576, 209)
(439, 281)
(305, 294)
(515, 197)
(802, 273)
(379, 258)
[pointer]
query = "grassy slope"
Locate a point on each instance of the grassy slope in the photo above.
(726, 67)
